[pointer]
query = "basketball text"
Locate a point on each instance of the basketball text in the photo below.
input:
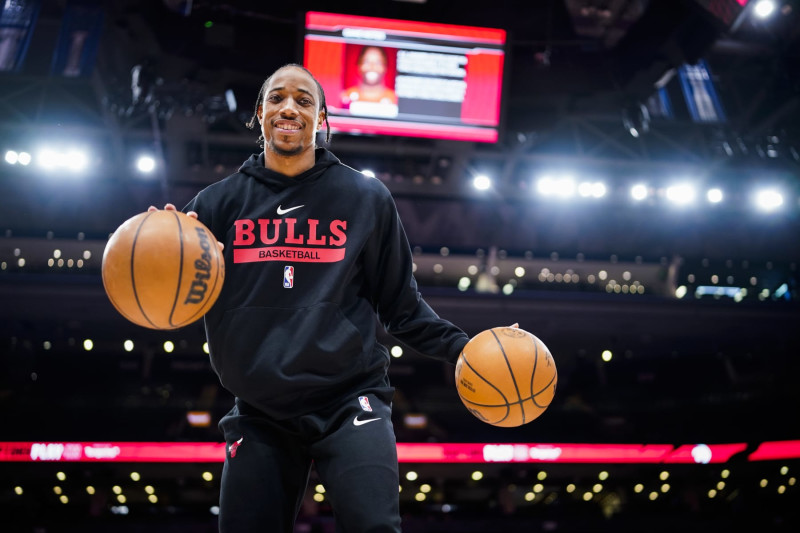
(202, 266)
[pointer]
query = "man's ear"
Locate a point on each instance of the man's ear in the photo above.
(259, 113)
(320, 119)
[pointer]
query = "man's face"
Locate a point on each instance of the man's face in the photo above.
(372, 66)
(290, 114)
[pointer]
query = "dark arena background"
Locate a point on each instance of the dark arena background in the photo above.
(634, 202)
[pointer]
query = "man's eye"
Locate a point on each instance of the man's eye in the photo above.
(273, 98)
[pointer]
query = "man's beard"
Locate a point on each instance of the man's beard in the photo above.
(283, 152)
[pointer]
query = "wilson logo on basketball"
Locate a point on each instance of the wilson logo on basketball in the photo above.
(159, 265)
(202, 267)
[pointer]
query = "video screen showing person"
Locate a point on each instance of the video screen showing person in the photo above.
(370, 81)
(399, 77)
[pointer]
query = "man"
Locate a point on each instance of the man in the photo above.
(313, 251)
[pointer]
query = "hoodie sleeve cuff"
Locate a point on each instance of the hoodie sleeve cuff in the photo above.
(456, 348)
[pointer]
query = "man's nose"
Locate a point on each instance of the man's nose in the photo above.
(289, 108)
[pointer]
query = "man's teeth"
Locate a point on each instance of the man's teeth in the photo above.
(289, 126)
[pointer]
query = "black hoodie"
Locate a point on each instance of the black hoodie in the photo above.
(309, 262)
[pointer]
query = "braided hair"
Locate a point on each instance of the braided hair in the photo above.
(323, 106)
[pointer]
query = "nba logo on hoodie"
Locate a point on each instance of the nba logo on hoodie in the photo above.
(364, 401)
(288, 277)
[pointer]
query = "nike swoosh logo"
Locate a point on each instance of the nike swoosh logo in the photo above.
(358, 422)
(284, 211)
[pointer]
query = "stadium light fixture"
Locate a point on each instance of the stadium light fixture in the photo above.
(769, 200)
(145, 164)
(482, 182)
(73, 159)
(639, 192)
(595, 189)
(764, 8)
(47, 159)
(714, 195)
(681, 194)
(563, 187)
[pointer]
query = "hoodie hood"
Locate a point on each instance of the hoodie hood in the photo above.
(254, 167)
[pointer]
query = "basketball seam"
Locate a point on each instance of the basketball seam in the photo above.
(552, 379)
(114, 302)
(508, 406)
(535, 365)
(522, 401)
(133, 278)
(511, 372)
(180, 273)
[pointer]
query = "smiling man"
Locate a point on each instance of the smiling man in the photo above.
(290, 111)
(314, 250)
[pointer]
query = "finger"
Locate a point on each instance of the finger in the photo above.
(515, 325)
(221, 245)
(170, 207)
(152, 208)
(192, 214)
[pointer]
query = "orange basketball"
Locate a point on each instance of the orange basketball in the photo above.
(506, 376)
(163, 269)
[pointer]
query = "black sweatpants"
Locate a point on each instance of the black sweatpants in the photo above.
(268, 462)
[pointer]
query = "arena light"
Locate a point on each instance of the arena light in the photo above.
(72, 159)
(24, 158)
(482, 182)
(47, 159)
(681, 194)
(764, 8)
(563, 187)
(639, 192)
(75, 160)
(198, 419)
(595, 189)
(769, 200)
(598, 189)
(12, 157)
(145, 164)
(714, 196)
(230, 99)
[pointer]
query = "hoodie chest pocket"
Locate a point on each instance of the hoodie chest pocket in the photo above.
(267, 344)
